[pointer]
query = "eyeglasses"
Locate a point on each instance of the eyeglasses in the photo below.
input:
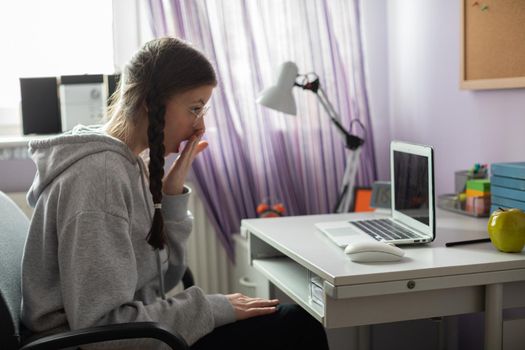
(200, 114)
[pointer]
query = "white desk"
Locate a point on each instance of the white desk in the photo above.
(430, 281)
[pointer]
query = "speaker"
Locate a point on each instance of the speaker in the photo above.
(82, 100)
(51, 105)
(40, 106)
(112, 84)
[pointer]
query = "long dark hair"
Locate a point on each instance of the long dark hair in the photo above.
(162, 68)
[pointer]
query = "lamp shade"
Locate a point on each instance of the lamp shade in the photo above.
(279, 96)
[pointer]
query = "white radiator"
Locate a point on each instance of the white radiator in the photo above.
(207, 258)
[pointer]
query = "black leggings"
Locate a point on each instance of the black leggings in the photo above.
(290, 327)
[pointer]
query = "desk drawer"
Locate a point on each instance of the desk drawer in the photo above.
(423, 284)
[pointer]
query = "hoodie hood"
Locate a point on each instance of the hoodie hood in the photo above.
(56, 154)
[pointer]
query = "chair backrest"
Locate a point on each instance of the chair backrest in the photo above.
(14, 226)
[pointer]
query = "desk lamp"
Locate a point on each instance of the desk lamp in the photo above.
(279, 97)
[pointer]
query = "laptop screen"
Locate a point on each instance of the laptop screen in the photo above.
(411, 186)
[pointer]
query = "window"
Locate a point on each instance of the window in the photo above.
(50, 38)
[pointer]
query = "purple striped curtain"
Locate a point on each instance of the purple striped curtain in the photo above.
(257, 154)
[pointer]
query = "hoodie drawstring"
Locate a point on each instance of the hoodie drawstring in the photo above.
(157, 251)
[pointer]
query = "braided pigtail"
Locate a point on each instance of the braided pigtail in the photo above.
(162, 69)
(156, 237)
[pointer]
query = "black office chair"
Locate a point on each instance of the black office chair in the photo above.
(13, 231)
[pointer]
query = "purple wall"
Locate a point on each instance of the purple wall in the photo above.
(375, 41)
(426, 104)
(413, 59)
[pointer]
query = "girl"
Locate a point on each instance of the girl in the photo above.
(103, 249)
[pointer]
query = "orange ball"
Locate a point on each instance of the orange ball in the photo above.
(261, 208)
(279, 207)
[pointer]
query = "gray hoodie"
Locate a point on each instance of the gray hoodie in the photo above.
(86, 260)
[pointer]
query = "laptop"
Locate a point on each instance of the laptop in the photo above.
(412, 220)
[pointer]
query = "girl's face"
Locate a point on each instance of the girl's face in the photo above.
(185, 116)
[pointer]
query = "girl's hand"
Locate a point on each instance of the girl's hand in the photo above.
(173, 182)
(246, 307)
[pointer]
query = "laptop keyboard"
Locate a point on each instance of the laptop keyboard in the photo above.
(384, 229)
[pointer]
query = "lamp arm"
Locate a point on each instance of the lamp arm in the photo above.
(351, 141)
(328, 105)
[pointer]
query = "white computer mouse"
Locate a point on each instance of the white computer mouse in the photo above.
(373, 252)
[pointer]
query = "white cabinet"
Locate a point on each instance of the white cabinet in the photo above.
(244, 278)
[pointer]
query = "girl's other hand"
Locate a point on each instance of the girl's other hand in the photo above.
(246, 307)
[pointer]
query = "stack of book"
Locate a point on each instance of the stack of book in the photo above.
(508, 185)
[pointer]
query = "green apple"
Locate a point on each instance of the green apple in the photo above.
(507, 229)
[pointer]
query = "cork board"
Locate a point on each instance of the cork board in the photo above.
(493, 44)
